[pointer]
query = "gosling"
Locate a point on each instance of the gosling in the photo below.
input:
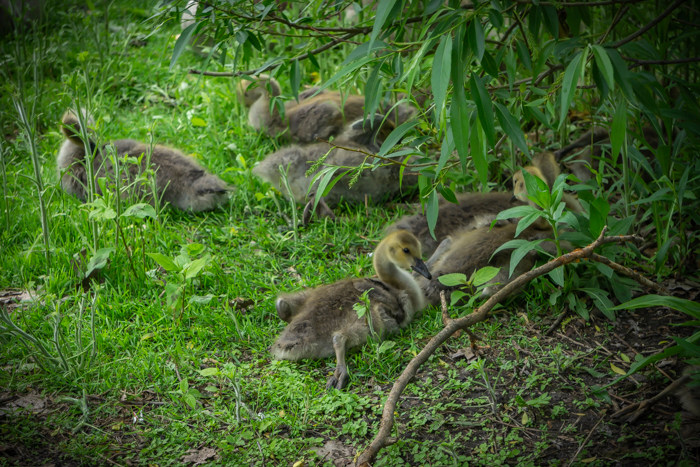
(311, 119)
(469, 250)
(323, 321)
(472, 210)
(179, 180)
(545, 167)
(359, 139)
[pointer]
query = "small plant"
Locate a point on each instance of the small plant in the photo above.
(477, 282)
(183, 269)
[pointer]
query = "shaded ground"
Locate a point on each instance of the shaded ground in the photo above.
(531, 402)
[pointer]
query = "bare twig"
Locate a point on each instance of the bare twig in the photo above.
(586, 4)
(640, 407)
(381, 439)
(582, 445)
(677, 61)
(650, 25)
(630, 273)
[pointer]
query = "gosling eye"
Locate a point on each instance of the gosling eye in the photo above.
(406, 250)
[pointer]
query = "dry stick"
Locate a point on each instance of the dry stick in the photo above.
(630, 273)
(677, 61)
(640, 407)
(381, 439)
(590, 433)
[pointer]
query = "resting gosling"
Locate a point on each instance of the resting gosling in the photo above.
(469, 250)
(472, 210)
(360, 138)
(310, 119)
(546, 168)
(179, 179)
(323, 322)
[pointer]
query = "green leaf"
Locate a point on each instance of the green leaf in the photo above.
(568, 86)
(618, 132)
(140, 211)
(557, 276)
(512, 128)
(198, 122)
(484, 108)
(516, 212)
(601, 300)
(200, 299)
(688, 307)
(194, 267)
(395, 136)
(181, 43)
(165, 262)
(483, 275)
(386, 346)
(431, 211)
(459, 126)
(604, 64)
(478, 152)
(295, 78)
(453, 279)
(384, 9)
(211, 371)
(440, 77)
(475, 35)
(373, 90)
(456, 296)
(98, 261)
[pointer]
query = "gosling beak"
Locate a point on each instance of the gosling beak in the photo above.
(420, 267)
(513, 198)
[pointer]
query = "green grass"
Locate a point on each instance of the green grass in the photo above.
(149, 399)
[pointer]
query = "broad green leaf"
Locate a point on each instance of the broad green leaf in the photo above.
(165, 262)
(211, 371)
(98, 261)
(484, 275)
(484, 108)
(448, 146)
(200, 299)
(386, 346)
(456, 296)
(440, 78)
(475, 35)
(618, 132)
(395, 136)
(604, 64)
(489, 64)
(453, 279)
(688, 307)
(568, 86)
(557, 276)
(516, 212)
(181, 43)
(601, 300)
(478, 152)
(140, 210)
(431, 212)
(459, 126)
(295, 78)
(198, 122)
(551, 20)
(373, 90)
(512, 128)
(384, 10)
(192, 269)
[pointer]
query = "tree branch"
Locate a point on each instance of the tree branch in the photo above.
(651, 24)
(381, 439)
(662, 62)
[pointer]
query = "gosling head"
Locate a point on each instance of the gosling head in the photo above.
(249, 91)
(519, 188)
(404, 250)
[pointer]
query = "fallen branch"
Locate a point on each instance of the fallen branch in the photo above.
(382, 439)
(640, 407)
(630, 273)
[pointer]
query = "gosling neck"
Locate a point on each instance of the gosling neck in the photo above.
(394, 276)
